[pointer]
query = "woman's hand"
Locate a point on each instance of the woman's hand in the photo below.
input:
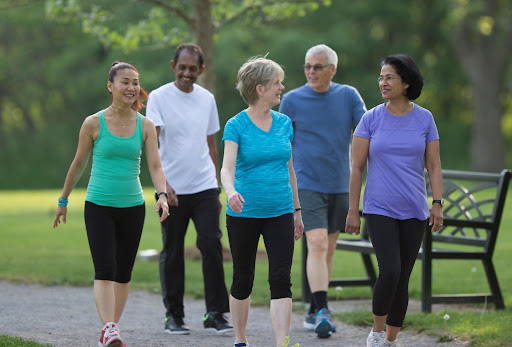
(353, 222)
(298, 225)
(61, 212)
(236, 201)
(161, 205)
(436, 217)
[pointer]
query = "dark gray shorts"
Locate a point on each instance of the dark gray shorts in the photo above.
(323, 210)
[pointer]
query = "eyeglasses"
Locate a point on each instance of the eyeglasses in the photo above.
(316, 67)
(387, 78)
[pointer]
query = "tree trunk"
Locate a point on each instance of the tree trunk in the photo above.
(204, 31)
(485, 59)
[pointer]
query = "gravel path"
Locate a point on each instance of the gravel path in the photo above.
(66, 316)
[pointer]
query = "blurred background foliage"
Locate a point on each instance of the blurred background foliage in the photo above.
(53, 66)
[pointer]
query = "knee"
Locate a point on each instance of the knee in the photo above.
(280, 288)
(208, 245)
(242, 284)
(390, 277)
(318, 243)
(241, 289)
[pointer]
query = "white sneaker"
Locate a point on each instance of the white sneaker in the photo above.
(376, 339)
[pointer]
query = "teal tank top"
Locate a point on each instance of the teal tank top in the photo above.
(115, 169)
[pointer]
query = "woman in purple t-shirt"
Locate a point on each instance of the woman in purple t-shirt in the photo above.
(398, 139)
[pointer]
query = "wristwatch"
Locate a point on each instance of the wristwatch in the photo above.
(440, 202)
(162, 193)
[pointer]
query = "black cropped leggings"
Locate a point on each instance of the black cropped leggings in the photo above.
(396, 243)
(114, 236)
(244, 234)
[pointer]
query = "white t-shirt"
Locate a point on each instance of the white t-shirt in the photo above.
(185, 121)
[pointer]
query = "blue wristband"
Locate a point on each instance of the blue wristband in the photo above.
(62, 201)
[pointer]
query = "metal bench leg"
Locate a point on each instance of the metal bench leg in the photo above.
(370, 270)
(493, 283)
(426, 273)
(306, 291)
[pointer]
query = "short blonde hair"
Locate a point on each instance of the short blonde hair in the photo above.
(256, 70)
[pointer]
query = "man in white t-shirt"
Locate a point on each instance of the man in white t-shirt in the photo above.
(186, 119)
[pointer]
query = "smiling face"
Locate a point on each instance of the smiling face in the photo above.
(319, 73)
(270, 93)
(125, 88)
(391, 85)
(187, 70)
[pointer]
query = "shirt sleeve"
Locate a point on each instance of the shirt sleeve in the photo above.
(285, 106)
(432, 133)
(363, 128)
(358, 107)
(231, 132)
(153, 111)
(213, 122)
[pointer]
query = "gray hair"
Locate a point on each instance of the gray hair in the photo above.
(328, 52)
(256, 70)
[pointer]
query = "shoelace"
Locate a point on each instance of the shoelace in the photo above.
(112, 331)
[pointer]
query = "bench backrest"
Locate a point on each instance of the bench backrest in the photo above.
(473, 207)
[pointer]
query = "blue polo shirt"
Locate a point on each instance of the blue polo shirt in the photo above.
(261, 174)
(322, 124)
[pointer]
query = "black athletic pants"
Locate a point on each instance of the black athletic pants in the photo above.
(203, 208)
(244, 234)
(396, 243)
(114, 235)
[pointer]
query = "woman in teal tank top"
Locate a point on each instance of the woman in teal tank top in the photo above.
(114, 208)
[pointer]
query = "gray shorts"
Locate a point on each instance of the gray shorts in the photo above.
(323, 210)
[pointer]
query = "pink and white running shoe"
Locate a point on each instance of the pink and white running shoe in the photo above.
(110, 336)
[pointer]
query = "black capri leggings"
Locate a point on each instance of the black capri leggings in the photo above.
(396, 243)
(114, 236)
(244, 234)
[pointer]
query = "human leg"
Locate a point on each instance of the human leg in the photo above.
(100, 226)
(315, 217)
(172, 258)
(243, 234)
(384, 233)
(129, 225)
(410, 236)
(279, 243)
(239, 316)
(205, 214)
(281, 314)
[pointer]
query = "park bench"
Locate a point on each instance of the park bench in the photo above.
(473, 208)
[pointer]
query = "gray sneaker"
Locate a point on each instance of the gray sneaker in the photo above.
(175, 326)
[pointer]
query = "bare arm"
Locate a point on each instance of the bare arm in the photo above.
(214, 153)
(172, 198)
(297, 215)
(88, 132)
(155, 166)
(433, 165)
(359, 156)
(227, 175)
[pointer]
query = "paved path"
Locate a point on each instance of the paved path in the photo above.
(66, 316)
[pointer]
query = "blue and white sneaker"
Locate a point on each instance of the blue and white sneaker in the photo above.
(323, 324)
(309, 321)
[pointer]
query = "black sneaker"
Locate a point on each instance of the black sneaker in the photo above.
(175, 326)
(217, 322)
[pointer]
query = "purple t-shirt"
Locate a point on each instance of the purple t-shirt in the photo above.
(395, 184)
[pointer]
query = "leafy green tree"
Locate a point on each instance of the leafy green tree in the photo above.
(169, 22)
(483, 42)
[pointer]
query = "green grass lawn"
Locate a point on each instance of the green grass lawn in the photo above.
(32, 251)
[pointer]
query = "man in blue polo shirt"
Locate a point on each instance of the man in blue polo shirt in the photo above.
(323, 114)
